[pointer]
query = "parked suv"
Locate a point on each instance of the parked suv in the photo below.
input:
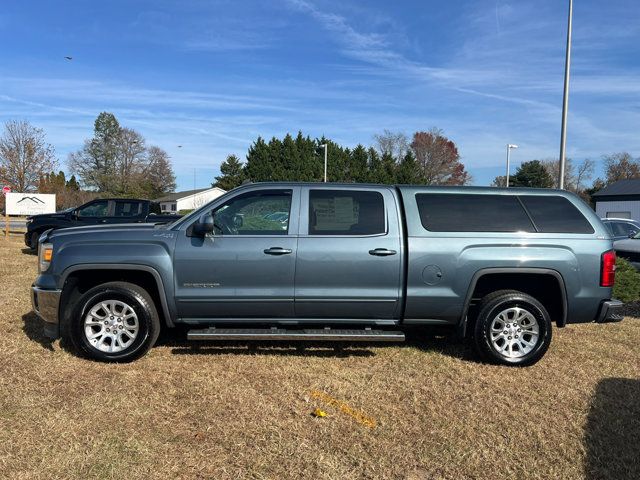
(102, 211)
(351, 262)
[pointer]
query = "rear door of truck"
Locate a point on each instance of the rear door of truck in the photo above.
(350, 253)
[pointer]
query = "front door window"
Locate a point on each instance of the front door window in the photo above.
(256, 213)
(95, 209)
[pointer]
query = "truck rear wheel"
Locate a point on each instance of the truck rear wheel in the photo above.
(113, 322)
(512, 328)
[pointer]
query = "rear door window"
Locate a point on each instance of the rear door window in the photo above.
(346, 212)
(127, 208)
(554, 214)
(446, 212)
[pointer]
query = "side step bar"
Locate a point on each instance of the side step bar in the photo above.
(320, 334)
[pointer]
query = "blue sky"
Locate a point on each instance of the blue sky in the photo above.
(213, 75)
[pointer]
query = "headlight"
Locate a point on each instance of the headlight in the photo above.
(45, 255)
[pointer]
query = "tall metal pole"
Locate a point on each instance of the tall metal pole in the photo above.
(508, 165)
(565, 99)
(325, 162)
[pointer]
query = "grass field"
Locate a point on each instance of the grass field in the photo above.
(423, 410)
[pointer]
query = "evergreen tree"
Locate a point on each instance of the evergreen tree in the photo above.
(358, 165)
(388, 169)
(408, 170)
(232, 174)
(338, 161)
(257, 167)
(72, 184)
(376, 169)
(531, 174)
(310, 163)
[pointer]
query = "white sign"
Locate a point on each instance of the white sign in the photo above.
(30, 203)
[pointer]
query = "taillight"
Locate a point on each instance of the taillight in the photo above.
(608, 269)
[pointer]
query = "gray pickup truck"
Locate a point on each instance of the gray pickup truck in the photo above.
(346, 262)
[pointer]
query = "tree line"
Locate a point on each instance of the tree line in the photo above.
(577, 176)
(115, 162)
(429, 158)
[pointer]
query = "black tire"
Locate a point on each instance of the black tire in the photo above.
(136, 299)
(489, 348)
(34, 241)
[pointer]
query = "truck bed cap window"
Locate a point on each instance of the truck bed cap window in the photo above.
(446, 212)
(555, 214)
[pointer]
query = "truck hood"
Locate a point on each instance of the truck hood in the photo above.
(118, 231)
(45, 216)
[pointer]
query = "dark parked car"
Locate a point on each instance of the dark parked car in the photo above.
(621, 228)
(354, 263)
(96, 212)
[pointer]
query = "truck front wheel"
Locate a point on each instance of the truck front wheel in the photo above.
(113, 322)
(512, 328)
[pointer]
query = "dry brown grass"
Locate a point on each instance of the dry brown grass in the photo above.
(233, 412)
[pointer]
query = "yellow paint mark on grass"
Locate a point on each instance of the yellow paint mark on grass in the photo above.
(357, 415)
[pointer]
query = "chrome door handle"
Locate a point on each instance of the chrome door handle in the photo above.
(277, 251)
(382, 252)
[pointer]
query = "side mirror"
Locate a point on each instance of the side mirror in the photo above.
(204, 226)
(633, 234)
(74, 214)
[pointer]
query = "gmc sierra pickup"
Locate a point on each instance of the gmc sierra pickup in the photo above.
(96, 212)
(338, 262)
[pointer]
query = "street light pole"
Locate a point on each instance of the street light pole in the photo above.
(509, 147)
(565, 99)
(325, 161)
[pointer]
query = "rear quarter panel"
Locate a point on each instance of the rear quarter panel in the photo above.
(459, 256)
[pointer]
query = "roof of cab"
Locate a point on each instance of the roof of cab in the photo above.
(430, 188)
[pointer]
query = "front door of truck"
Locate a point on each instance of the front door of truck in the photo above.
(349, 254)
(246, 269)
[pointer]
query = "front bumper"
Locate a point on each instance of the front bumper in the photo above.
(45, 303)
(610, 311)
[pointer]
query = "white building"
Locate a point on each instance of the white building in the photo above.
(621, 199)
(189, 200)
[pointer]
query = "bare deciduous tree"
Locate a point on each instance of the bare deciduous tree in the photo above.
(131, 161)
(24, 155)
(621, 166)
(158, 172)
(391, 143)
(575, 176)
